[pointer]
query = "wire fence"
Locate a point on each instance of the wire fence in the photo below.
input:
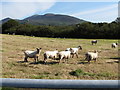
(58, 83)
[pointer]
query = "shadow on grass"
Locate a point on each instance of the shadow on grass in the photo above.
(21, 61)
(83, 62)
(39, 62)
(114, 60)
(86, 62)
(42, 62)
(51, 63)
(118, 58)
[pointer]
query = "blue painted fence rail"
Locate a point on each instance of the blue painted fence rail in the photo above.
(57, 83)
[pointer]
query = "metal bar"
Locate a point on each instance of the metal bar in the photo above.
(58, 83)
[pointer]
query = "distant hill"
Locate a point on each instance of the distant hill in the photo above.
(117, 20)
(51, 19)
(4, 20)
(48, 19)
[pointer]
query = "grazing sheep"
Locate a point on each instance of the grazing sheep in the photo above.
(114, 45)
(13, 34)
(65, 54)
(32, 54)
(75, 51)
(91, 56)
(50, 54)
(94, 42)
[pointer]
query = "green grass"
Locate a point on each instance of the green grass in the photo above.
(80, 72)
(41, 75)
(14, 67)
(1, 50)
(8, 88)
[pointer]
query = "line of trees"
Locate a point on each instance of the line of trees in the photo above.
(83, 30)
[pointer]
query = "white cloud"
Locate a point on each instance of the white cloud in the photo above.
(28, 0)
(105, 14)
(96, 10)
(0, 10)
(60, 0)
(108, 16)
(19, 10)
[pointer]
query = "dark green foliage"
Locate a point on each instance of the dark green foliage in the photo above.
(77, 72)
(80, 72)
(8, 88)
(82, 30)
(9, 24)
(5, 20)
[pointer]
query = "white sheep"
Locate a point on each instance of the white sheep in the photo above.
(50, 54)
(114, 45)
(75, 51)
(94, 42)
(91, 56)
(65, 54)
(32, 54)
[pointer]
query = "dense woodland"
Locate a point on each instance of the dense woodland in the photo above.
(83, 30)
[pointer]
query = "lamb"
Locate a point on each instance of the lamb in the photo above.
(75, 51)
(114, 45)
(65, 54)
(50, 54)
(94, 42)
(91, 56)
(32, 54)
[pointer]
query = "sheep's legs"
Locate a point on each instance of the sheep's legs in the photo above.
(95, 60)
(45, 60)
(35, 60)
(89, 61)
(25, 59)
(77, 55)
(72, 55)
(59, 61)
(54, 58)
(66, 60)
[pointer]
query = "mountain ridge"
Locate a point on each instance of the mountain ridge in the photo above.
(49, 19)
(52, 19)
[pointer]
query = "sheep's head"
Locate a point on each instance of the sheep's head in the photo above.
(80, 48)
(71, 50)
(95, 51)
(38, 49)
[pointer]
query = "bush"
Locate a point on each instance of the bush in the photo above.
(77, 72)
(80, 72)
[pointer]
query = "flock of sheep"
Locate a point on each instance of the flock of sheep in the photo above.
(66, 54)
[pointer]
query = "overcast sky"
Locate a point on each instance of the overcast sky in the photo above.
(94, 11)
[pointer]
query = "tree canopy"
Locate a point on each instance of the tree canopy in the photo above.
(82, 30)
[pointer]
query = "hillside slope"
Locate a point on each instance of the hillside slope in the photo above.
(51, 19)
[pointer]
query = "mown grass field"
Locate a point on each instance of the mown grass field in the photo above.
(13, 66)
